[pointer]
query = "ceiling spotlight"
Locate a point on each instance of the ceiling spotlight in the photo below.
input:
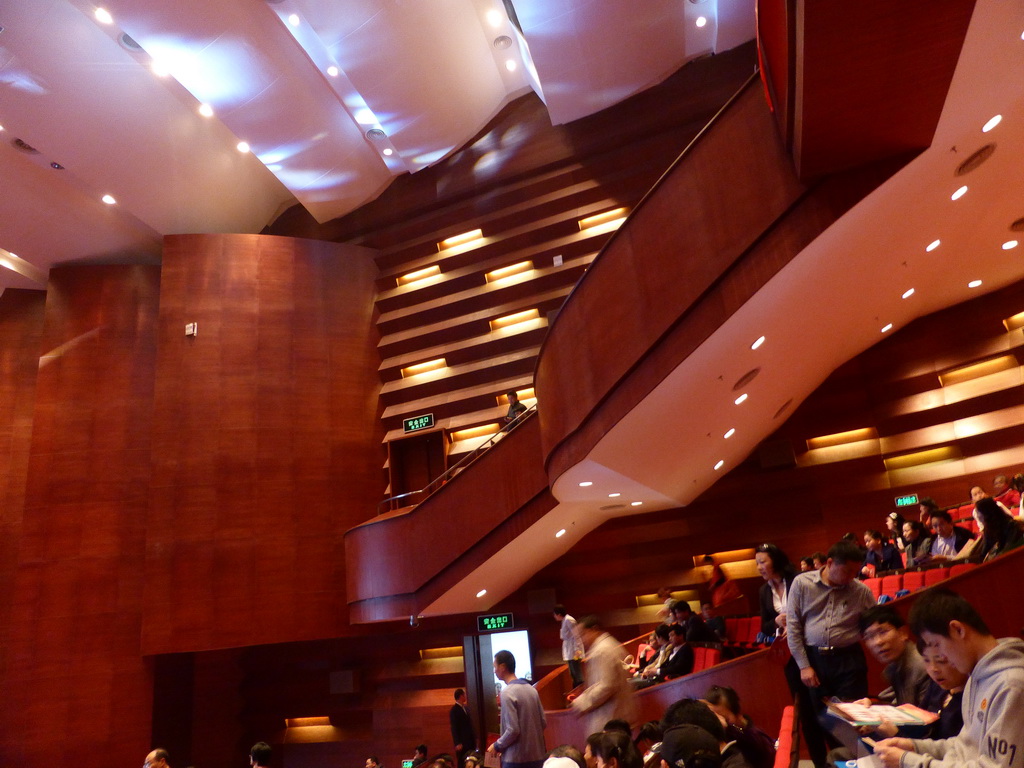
(243, 146)
(206, 110)
(494, 18)
(992, 123)
(741, 399)
(333, 71)
(635, 503)
(757, 343)
(887, 327)
(974, 284)
(1009, 244)
(57, 166)
(560, 534)
(614, 495)
(510, 65)
(160, 69)
(720, 464)
(481, 593)
(933, 245)
(103, 16)
(959, 193)
(388, 151)
(730, 433)
(108, 199)
(586, 484)
(294, 20)
(701, 22)
(908, 293)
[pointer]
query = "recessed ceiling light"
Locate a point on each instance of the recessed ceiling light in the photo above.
(586, 484)
(636, 503)
(108, 199)
(494, 18)
(887, 327)
(502, 42)
(614, 495)
(560, 534)
(933, 245)
(959, 193)
(908, 293)
(294, 19)
(1009, 244)
(757, 343)
(243, 146)
(481, 593)
(333, 71)
(741, 398)
(730, 433)
(992, 123)
(206, 110)
(974, 284)
(1, 127)
(388, 151)
(510, 65)
(701, 21)
(57, 166)
(103, 16)
(720, 464)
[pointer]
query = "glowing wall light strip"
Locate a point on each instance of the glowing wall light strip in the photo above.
(522, 394)
(509, 271)
(519, 317)
(653, 599)
(916, 459)
(419, 274)
(728, 556)
(450, 652)
(305, 722)
(1014, 322)
(842, 438)
(977, 370)
(471, 432)
(463, 239)
(426, 367)
(17, 264)
(609, 219)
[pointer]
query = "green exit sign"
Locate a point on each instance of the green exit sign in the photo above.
(494, 622)
(906, 501)
(416, 423)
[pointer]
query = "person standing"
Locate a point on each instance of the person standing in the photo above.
(158, 758)
(259, 755)
(463, 734)
(608, 695)
(521, 743)
(823, 613)
(572, 646)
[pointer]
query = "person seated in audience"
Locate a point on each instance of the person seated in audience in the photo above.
(948, 539)
(919, 546)
(894, 526)
(615, 749)
(887, 637)
(558, 756)
(679, 660)
(806, 564)
(978, 493)
(715, 623)
(617, 724)
(925, 507)
(881, 555)
(648, 736)
(645, 657)
(952, 681)
(688, 746)
(818, 558)
(757, 746)
(695, 712)
(419, 755)
(993, 731)
(696, 630)
(649, 674)
(1000, 531)
(1005, 493)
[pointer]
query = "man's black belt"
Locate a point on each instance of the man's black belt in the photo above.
(833, 650)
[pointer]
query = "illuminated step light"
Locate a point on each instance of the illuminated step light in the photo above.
(522, 394)
(512, 269)
(448, 652)
(916, 459)
(607, 221)
(419, 274)
(977, 370)
(842, 438)
(464, 239)
(470, 432)
(306, 722)
(429, 365)
(1014, 322)
(515, 319)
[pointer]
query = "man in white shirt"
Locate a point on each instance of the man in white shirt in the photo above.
(572, 646)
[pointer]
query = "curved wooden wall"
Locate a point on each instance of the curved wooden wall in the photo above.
(397, 563)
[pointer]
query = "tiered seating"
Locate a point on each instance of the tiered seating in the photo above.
(741, 632)
(875, 585)
(786, 751)
(935, 575)
(705, 657)
(959, 568)
(913, 580)
(892, 584)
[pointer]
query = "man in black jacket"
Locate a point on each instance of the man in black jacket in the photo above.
(463, 734)
(949, 539)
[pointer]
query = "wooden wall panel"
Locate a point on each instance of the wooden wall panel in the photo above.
(266, 446)
(76, 687)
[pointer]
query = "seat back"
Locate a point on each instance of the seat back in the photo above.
(875, 585)
(935, 575)
(732, 629)
(711, 657)
(913, 580)
(892, 584)
(700, 659)
(753, 627)
(959, 568)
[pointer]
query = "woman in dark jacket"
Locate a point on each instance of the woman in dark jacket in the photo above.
(778, 574)
(1001, 532)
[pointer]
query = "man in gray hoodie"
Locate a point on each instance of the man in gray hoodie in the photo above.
(993, 703)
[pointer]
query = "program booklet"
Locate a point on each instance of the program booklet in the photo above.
(874, 714)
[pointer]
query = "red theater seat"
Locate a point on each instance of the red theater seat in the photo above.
(959, 568)
(913, 580)
(935, 575)
(892, 584)
(732, 630)
(875, 585)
